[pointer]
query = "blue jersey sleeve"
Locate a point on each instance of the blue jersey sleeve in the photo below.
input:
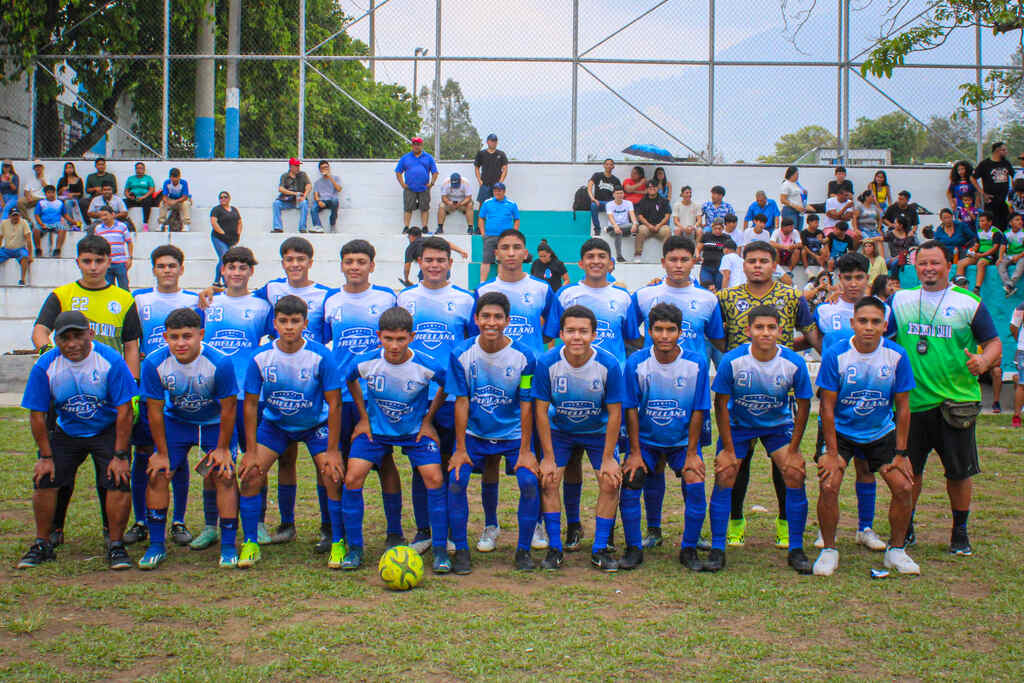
(261, 293)
(702, 396)
(37, 394)
(631, 321)
(631, 398)
(828, 373)
(121, 386)
(614, 390)
(541, 390)
(549, 305)
(455, 383)
(982, 326)
(552, 323)
(723, 379)
(440, 375)
(224, 382)
(331, 377)
(351, 369)
(714, 328)
(526, 379)
(151, 385)
(904, 375)
(253, 378)
(802, 381)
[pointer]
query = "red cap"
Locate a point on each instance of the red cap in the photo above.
(417, 141)
(294, 162)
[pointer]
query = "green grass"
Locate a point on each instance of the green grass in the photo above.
(292, 618)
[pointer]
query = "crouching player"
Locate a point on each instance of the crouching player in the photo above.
(396, 412)
(301, 389)
(862, 381)
(490, 376)
(752, 402)
(667, 396)
(577, 395)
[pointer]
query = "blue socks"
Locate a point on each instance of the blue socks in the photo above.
(458, 505)
(529, 506)
(602, 528)
(393, 512)
(796, 516)
(420, 511)
(553, 525)
(352, 513)
(139, 482)
(718, 511)
(438, 508)
(179, 488)
(696, 510)
(286, 502)
(489, 499)
(335, 515)
(156, 520)
(572, 493)
(325, 515)
(632, 517)
(865, 505)
(210, 512)
(654, 498)
(228, 532)
(249, 508)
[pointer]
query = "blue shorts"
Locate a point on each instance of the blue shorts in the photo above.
(675, 457)
(444, 423)
(744, 440)
(479, 449)
(19, 254)
(563, 443)
(181, 437)
(276, 439)
(484, 193)
(423, 452)
(141, 436)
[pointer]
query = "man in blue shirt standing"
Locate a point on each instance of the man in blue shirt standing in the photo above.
(497, 215)
(416, 172)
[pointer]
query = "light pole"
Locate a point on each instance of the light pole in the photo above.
(418, 52)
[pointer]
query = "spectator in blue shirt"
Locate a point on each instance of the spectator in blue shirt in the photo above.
(716, 208)
(497, 215)
(416, 173)
(175, 196)
(765, 206)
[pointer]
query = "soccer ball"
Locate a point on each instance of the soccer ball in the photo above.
(401, 568)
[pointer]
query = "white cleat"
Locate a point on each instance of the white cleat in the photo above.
(897, 558)
(870, 540)
(488, 539)
(540, 537)
(819, 542)
(827, 562)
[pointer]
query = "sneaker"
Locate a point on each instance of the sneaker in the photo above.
(207, 537)
(39, 253)
(688, 558)
(573, 537)
(317, 229)
(442, 563)
(57, 538)
(736, 534)
(653, 538)
(715, 561)
(604, 560)
(469, 229)
(553, 560)
(338, 556)
(597, 232)
(632, 558)
(303, 231)
(228, 558)
(285, 533)
(620, 259)
(117, 557)
(262, 535)
(393, 540)
(819, 542)
(461, 563)
(275, 230)
(323, 544)
(870, 540)
(353, 558)
(524, 561)
(424, 231)
(959, 543)
(153, 557)
(40, 552)
(488, 539)
(180, 534)
(1015, 422)
(540, 537)
(897, 558)
(250, 555)
(704, 543)
(21, 283)
(55, 253)
(798, 560)
(781, 533)
(996, 408)
(138, 532)
(826, 563)
(421, 541)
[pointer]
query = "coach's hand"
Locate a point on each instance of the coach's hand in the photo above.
(158, 464)
(331, 466)
(250, 463)
(528, 460)
(120, 471)
(362, 427)
(611, 472)
(220, 463)
(44, 468)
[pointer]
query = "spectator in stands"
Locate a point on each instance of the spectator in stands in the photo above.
(226, 231)
(902, 208)
(490, 166)
(16, 241)
(838, 242)
(686, 214)
(293, 190)
(660, 179)
(621, 217)
(900, 240)
(71, 189)
(992, 181)
(1017, 197)
(116, 204)
(326, 195)
(838, 207)
(547, 267)
(117, 234)
(955, 236)
(601, 188)
(961, 184)
(884, 286)
(51, 218)
(412, 253)
(991, 243)
(766, 207)
(867, 217)
(1014, 255)
(94, 181)
(786, 241)
(732, 230)
(176, 197)
(652, 212)
(716, 208)
(457, 197)
(416, 173)
(32, 189)
(635, 185)
(818, 289)
(840, 182)
(814, 255)
(872, 250)
(793, 198)
(140, 191)
(9, 184)
(731, 266)
(710, 251)
(497, 214)
(879, 187)
(967, 213)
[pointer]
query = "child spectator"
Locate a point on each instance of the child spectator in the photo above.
(838, 243)
(989, 248)
(9, 185)
(686, 213)
(813, 254)
(1013, 256)
(758, 232)
(879, 187)
(547, 267)
(872, 250)
(710, 252)
(967, 212)
(731, 267)
(786, 241)
(818, 289)
(620, 217)
(175, 196)
(1017, 198)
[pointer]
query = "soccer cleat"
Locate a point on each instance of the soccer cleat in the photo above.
(524, 561)
(632, 558)
(323, 544)
(826, 563)
(180, 534)
(285, 533)
(353, 558)
(57, 538)
(40, 552)
(117, 557)
(540, 537)
(138, 532)
(1015, 422)
(573, 537)
(897, 558)
(959, 543)
(262, 535)
(688, 558)
(394, 540)
(461, 563)
(153, 557)
(604, 560)
(819, 542)
(870, 540)
(996, 408)
(715, 561)
(337, 556)
(442, 563)
(653, 538)
(736, 535)
(207, 537)
(781, 533)
(553, 560)
(228, 558)
(421, 541)
(798, 560)
(488, 539)
(250, 554)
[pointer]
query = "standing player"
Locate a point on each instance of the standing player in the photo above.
(667, 396)
(578, 396)
(752, 402)
(862, 381)
(442, 316)
(397, 412)
(490, 376)
(191, 396)
(301, 388)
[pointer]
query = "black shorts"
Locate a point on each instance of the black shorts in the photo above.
(875, 453)
(69, 452)
(957, 448)
(490, 244)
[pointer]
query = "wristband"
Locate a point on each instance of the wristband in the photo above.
(901, 452)
(123, 455)
(44, 457)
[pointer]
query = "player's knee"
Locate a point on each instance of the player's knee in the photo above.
(529, 487)
(432, 478)
(901, 487)
(608, 487)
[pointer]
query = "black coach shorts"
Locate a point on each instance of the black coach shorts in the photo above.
(69, 452)
(875, 453)
(490, 245)
(957, 448)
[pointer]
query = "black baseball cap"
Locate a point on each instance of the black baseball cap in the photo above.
(69, 320)
(492, 136)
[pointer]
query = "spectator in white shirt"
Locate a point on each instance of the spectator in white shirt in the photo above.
(731, 266)
(757, 232)
(686, 214)
(456, 197)
(621, 217)
(32, 189)
(839, 207)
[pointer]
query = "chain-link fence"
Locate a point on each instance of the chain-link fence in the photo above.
(558, 80)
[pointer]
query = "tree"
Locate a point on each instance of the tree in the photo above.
(894, 131)
(792, 146)
(459, 138)
(948, 139)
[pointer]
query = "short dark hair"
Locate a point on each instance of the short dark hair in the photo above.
(358, 247)
(415, 231)
(98, 160)
(299, 244)
(175, 173)
(841, 225)
(105, 207)
(853, 261)
(578, 311)
(395, 319)
(492, 299)
(730, 243)
(838, 169)
(93, 244)
(763, 311)
(731, 218)
(928, 244)
(760, 217)
(323, 162)
(811, 217)
(718, 189)
(944, 210)
(106, 183)
(997, 145)
(238, 254)
(665, 312)
(437, 244)
(167, 250)
(684, 188)
(904, 193)
(595, 243)
(879, 286)
(49, 187)
(786, 221)
(869, 301)
(989, 215)
(760, 245)
(678, 242)
(289, 304)
(1018, 185)
(512, 232)
(183, 317)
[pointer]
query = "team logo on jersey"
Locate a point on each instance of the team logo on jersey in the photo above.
(372, 309)
(865, 401)
(758, 404)
(742, 305)
(394, 411)
(779, 380)
(451, 306)
(114, 307)
(358, 339)
(604, 331)
(83, 406)
(156, 337)
(289, 402)
(527, 298)
(432, 334)
(693, 304)
(321, 432)
(518, 326)
(662, 411)
(680, 382)
(303, 374)
(490, 397)
(577, 411)
(947, 312)
(686, 330)
(247, 314)
(611, 304)
(229, 341)
(885, 372)
(191, 403)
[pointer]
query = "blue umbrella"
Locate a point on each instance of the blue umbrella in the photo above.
(651, 152)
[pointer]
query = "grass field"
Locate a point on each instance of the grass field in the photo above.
(291, 617)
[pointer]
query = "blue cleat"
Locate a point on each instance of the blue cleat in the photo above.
(442, 563)
(228, 558)
(153, 557)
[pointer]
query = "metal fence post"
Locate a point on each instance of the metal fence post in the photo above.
(839, 75)
(979, 150)
(846, 80)
(437, 80)
(302, 78)
(167, 78)
(232, 94)
(205, 89)
(711, 81)
(575, 76)
(31, 111)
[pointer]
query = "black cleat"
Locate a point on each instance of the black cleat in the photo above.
(633, 558)
(597, 232)
(799, 562)
(40, 552)
(715, 561)
(611, 541)
(604, 560)
(323, 545)
(688, 558)
(653, 539)
(138, 532)
(573, 537)
(180, 534)
(57, 538)
(524, 561)
(959, 543)
(394, 540)
(117, 557)
(461, 563)
(439, 231)
(553, 560)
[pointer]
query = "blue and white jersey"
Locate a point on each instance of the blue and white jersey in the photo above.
(867, 384)
(351, 322)
(85, 394)
(397, 397)
(153, 308)
(191, 392)
(495, 384)
(235, 325)
(578, 397)
(702, 316)
(314, 296)
(441, 319)
(617, 318)
(834, 322)
(665, 395)
(530, 303)
(293, 384)
(759, 391)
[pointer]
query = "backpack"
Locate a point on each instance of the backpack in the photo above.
(580, 200)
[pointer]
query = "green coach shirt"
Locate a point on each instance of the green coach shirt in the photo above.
(949, 321)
